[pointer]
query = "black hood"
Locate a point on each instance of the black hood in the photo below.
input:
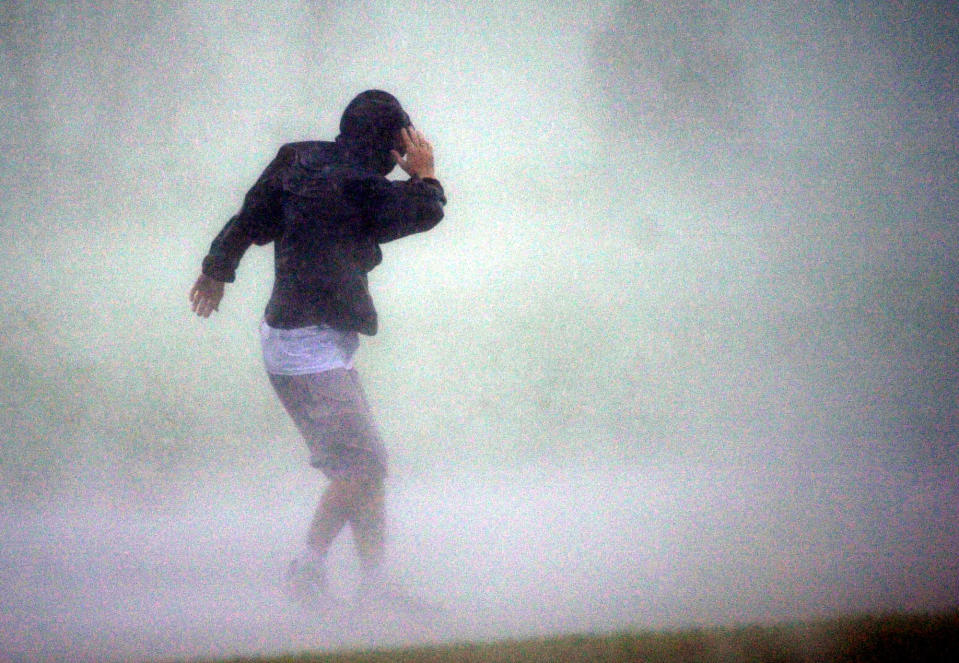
(369, 127)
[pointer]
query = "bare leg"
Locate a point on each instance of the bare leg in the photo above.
(306, 578)
(368, 522)
(332, 512)
(359, 501)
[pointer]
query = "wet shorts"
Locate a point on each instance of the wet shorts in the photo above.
(331, 412)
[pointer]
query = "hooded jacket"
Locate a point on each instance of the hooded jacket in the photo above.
(327, 206)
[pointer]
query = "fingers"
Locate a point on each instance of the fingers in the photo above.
(406, 136)
(196, 298)
(414, 139)
(418, 157)
(204, 306)
(415, 135)
(205, 296)
(402, 162)
(421, 142)
(200, 305)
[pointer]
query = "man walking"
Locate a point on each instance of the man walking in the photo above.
(327, 206)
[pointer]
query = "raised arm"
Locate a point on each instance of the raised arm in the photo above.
(397, 209)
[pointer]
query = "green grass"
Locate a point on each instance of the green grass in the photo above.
(892, 638)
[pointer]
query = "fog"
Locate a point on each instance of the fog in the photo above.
(683, 350)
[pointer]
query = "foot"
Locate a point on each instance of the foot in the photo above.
(305, 582)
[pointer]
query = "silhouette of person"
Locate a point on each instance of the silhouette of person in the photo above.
(327, 207)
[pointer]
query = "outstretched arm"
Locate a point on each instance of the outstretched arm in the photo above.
(257, 222)
(205, 295)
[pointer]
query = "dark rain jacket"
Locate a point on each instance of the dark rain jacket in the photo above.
(326, 212)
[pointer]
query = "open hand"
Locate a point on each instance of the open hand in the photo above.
(418, 160)
(205, 295)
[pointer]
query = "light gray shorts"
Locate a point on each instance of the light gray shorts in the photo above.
(331, 412)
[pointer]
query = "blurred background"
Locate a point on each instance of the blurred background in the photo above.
(683, 350)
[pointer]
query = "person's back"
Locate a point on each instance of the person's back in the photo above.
(327, 206)
(326, 247)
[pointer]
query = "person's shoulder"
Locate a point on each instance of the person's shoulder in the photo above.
(307, 153)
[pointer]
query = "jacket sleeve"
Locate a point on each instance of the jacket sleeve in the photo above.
(259, 221)
(396, 209)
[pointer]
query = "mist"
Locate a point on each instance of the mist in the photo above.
(683, 350)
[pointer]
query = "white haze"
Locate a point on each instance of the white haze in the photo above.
(683, 351)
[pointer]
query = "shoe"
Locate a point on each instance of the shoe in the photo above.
(304, 582)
